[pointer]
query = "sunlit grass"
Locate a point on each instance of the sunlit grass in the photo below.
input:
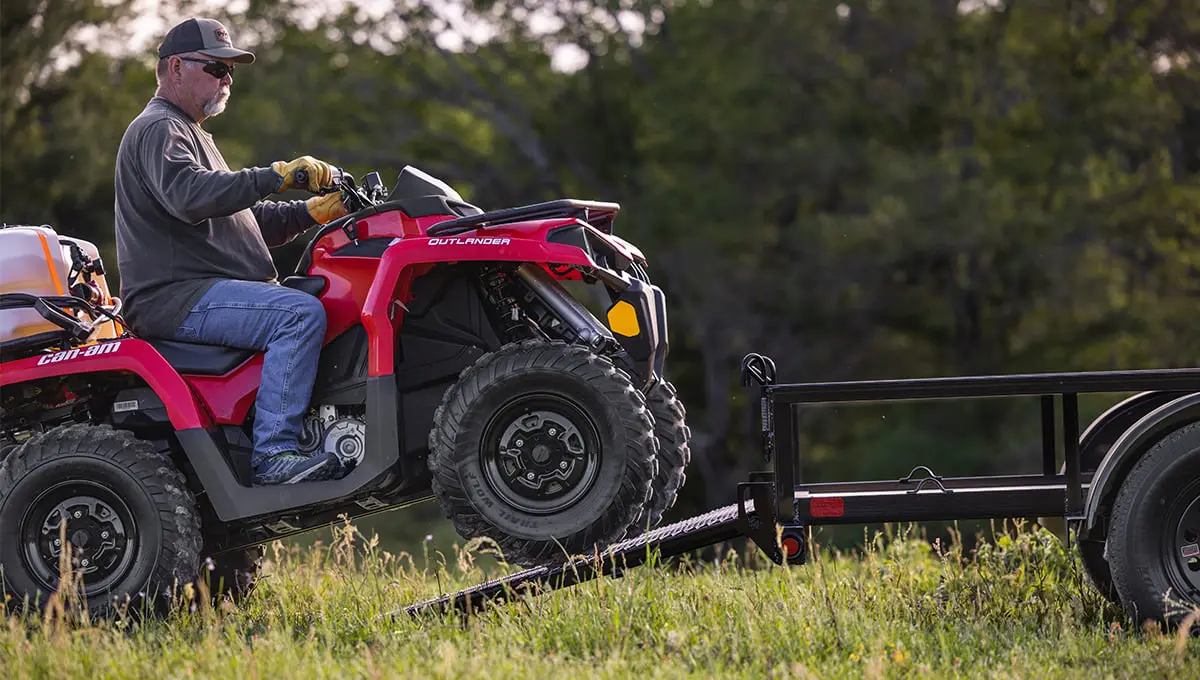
(1017, 607)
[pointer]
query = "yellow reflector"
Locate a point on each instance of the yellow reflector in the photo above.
(622, 319)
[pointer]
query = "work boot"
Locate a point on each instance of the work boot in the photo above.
(290, 467)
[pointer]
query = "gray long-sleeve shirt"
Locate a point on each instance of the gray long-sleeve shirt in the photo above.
(184, 220)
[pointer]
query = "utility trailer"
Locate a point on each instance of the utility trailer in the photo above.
(1128, 487)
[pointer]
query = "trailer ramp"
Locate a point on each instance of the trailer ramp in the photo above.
(713, 527)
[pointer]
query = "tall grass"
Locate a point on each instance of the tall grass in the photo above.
(1018, 606)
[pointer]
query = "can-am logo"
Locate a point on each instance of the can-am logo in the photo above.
(469, 241)
(79, 352)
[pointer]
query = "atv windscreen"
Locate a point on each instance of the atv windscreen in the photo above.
(412, 183)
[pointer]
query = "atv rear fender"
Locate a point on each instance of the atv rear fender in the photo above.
(128, 355)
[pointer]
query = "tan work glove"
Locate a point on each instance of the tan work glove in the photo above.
(325, 209)
(320, 174)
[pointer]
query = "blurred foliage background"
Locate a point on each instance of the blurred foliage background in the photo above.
(860, 189)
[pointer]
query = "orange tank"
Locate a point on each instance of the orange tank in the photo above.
(37, 261)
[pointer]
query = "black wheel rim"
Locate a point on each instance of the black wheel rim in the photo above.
(100, 532)
(540, 453)
(1181, 542)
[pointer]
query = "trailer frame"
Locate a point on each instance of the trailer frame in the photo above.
(774, 507)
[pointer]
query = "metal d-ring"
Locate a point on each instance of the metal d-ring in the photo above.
(909, 477)
(935, 478)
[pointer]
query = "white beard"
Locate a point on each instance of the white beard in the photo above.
(216, 105)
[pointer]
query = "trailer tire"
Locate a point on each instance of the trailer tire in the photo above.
(1155, 526)
(502, 421)
(128, 512)
(674, 454)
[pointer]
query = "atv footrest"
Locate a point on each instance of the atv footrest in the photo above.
(712, 527)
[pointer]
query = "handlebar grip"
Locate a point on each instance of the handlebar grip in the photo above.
(302, 177)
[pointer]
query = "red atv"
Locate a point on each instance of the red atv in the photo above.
(458, 364)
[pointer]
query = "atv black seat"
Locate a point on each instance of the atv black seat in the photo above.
(192, 358)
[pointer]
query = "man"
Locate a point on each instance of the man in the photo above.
(192, 239)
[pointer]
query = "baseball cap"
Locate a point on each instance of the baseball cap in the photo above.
(206, 36)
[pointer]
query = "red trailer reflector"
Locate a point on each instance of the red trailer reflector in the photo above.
(791, 545)
(826, 507)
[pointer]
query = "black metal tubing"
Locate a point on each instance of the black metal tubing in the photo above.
(1048, 494)
(1070, 413)
(1036, 384)
(899, 506)
(913, 482)
(787, 454)
(48, 307)
(593, 212)
(931, 498)
(1048, 464)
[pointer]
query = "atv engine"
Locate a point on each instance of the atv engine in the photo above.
(337, 431)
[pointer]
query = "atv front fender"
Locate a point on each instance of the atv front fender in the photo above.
(383, 310)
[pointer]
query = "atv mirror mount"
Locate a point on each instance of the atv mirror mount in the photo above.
(373, 187)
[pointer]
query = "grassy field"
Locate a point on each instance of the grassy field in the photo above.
(1015, 608)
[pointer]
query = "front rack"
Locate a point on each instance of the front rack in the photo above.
(596, 213)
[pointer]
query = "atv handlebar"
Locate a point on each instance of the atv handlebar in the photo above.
(338, 174)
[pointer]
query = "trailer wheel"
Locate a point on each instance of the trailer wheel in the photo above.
(131, 526)
(1154, 542)
(674, 453)
(546, 449)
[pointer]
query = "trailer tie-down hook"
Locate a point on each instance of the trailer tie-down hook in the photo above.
(759, 368)
(931, 477)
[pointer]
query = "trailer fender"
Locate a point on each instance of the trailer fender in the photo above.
(1098, 438)
(1131, 445)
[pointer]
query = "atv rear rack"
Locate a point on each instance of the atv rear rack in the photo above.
(73, 330)
(775, 507)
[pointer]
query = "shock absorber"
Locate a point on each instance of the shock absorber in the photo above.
(496, 285)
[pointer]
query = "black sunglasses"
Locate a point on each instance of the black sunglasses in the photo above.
(216, 69)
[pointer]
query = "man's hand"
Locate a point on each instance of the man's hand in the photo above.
(326, 208)
(320, 174)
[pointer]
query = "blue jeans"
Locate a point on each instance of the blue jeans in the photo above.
(290, 326)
